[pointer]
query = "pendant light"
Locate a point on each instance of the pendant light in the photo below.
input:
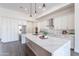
(35, 10)
(44, 6)
(30, 9)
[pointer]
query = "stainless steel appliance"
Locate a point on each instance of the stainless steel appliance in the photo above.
(22, 33)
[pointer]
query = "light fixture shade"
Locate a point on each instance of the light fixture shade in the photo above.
(44, 6)
(35, 11)
(35, 8)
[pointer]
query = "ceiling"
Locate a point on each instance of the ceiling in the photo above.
(25, 7)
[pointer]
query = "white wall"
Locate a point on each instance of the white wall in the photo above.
(77, 27)
(9, 22)
(63, 19)
(14, 14)
(0, 28)
(10, 28)
(30, 27)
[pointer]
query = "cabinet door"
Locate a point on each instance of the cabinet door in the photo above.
(38, 50)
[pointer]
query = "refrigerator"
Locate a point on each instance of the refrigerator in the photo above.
(22, 34)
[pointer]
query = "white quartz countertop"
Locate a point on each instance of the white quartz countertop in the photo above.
(51, 44)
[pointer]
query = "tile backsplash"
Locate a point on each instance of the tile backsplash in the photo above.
(58, 31)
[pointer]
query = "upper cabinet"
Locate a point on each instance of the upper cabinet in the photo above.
(60, 19)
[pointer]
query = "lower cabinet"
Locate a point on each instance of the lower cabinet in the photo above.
(63, 50)
(38, 51)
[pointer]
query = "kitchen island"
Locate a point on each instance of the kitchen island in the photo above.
(51, 46)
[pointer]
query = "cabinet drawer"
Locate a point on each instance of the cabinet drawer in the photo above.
(37, 49)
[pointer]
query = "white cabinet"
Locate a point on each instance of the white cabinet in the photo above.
(23, 41)
(62, 19)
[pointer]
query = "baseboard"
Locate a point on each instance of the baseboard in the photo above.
(8, 41)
